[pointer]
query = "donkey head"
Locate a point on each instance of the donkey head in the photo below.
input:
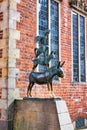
(60, 70)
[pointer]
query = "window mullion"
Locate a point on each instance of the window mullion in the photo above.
(49, 27)
(79, 47)
(38, 7)
(85, 52)
(49, 10)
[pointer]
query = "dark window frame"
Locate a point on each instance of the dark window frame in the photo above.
(79, 72)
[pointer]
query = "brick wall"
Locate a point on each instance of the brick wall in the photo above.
(74, 94)
(16, 62)
(27, 28)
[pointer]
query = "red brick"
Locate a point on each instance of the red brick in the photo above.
(1, 50)
(1, 34)
(1, 16)
(0, 93)
(1, 0)
(0, 113)
(0, 72)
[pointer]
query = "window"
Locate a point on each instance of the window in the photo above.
(80, 122)
(78, 22)
(48, 18)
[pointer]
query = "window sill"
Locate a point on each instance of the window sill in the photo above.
(79, 83)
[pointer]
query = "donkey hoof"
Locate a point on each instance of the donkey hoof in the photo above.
(51, 96)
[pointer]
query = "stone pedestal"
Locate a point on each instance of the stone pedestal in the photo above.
(41, 114)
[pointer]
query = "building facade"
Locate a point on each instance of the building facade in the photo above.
(20, 22)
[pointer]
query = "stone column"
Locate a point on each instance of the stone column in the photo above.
(8, 55)
(13, 52)
(3, 57)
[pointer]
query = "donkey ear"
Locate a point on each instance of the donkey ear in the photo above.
(62, 64)
(58, 64)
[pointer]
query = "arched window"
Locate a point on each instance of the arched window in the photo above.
(80, 122)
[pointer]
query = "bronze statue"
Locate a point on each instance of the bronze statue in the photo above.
(40, 50)
(42, 39)
(44, 61)
(45, 77)
(48, 74)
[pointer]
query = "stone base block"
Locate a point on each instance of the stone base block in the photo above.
(41, 114)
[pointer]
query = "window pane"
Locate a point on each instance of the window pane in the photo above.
(75, 48)
(54, 23)
(43, 16)
(54, 30)
(80, 122)
(82, 49)
(78, 48)
(43, 23)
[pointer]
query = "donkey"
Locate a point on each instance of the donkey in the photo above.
(45, 77)
(44, 61)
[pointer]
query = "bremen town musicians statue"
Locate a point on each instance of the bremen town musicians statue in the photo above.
(42, 58)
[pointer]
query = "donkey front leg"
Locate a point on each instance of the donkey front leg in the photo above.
(48, 88)
(29, 89)
(52, 92)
